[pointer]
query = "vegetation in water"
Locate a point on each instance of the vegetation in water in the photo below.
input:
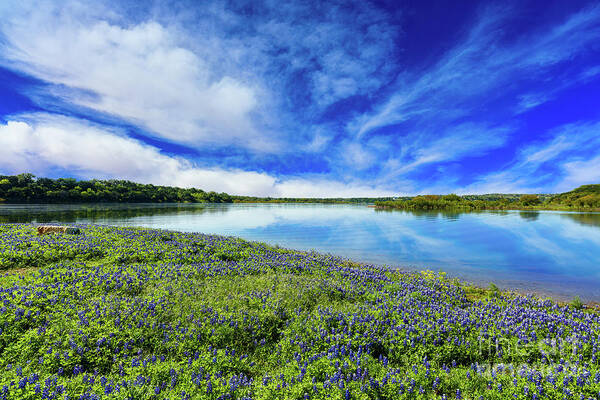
(148, 314)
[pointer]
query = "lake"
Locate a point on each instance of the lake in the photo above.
(547, 253)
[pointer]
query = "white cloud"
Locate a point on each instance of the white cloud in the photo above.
(35, 143)
(317, 144)
(223, 80)
(329, 188)
(460, 86)
(538, 154)
(39, 142)
(591, 72)
(140, 73)
(579, 173)
(342, 50)
(510, 181)
(356, 156)
(532, 100)
(261, 82)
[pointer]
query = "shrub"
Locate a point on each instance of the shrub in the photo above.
(576, 303)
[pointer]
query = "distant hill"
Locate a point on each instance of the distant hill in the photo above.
(582, 197)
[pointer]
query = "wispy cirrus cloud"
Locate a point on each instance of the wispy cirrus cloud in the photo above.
(466, 76)
(564, 160)
(465, 140)
(429, 108)
(579, 172)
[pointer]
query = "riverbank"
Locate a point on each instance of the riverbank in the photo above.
(125, 312)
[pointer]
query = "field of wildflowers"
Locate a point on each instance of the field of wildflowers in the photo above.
(129, 313)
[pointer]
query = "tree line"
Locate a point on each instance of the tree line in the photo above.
(583, 198)
(26, 188)
(586, 196)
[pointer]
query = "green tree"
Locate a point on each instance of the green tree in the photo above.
(529, 200)
(24, 179)
(452, 197)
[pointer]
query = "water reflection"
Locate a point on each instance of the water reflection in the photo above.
(45, 213)
(546, 252)
(446, 214)
(591, 219)
(529, 215)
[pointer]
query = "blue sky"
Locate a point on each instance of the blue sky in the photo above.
(308, 99)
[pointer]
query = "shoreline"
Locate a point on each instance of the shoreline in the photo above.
(464, 282)
(458, 209)
(468, 276)
(220, 317)
(367, 204)
(484, 284)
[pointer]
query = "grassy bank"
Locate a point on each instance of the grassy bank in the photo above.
(138, 313)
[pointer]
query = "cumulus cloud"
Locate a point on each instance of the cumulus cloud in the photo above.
(40, 142)
(219, 83)
(140, 73)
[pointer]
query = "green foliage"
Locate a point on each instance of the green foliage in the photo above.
(584, 197)
(576, 303)
(494, 291)
(448, 202)
(25, 189)
(529, 200)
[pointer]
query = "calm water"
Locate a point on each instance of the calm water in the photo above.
(549, 253)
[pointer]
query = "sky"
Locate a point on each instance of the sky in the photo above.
(304, 99)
